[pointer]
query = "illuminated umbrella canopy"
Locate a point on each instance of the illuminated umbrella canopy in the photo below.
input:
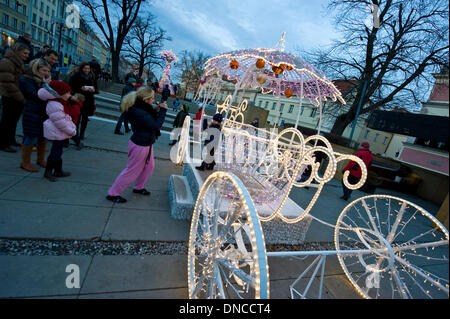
(274, 71)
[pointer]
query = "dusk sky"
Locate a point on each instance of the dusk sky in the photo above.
(220, 26)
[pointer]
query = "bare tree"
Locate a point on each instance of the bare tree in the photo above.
(393, 59)
(191, 65)
(114, 19)
(144, 42)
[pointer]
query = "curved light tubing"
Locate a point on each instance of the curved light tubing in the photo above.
(183, 143)
(271, 164)
(219, 263)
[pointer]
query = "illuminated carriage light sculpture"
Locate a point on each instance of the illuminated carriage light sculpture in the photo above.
(227, 257)
(374, 247)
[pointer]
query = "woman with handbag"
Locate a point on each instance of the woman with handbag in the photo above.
(83, 81)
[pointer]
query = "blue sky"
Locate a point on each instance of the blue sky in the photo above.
(217, 26)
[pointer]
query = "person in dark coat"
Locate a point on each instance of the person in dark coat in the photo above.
(165, 93)
(11, 68)
(216, 123)
(41, 53)
(84, 82)
(95, 67)
(34, 113)
(26, 40)
(355, 170)
(129, 87)
(146, 123)
(179, 119)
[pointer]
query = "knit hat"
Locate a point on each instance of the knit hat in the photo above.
(60, 87)
(218, 117)
(365, 145)
(131, 80)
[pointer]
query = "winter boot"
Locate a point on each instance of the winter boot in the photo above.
(210, 166)
(41, 149)
(202, 167)
(58, 170)
(26, 159)
(48, 171)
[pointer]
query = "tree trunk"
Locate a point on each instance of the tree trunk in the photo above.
(115, 66)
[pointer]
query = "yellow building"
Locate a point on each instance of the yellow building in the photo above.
(13, 20)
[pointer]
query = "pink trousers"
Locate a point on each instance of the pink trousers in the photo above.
(140, 167)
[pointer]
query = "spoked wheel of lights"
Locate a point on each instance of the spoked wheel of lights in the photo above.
(401, 250)
(227, 256)
(183, 143)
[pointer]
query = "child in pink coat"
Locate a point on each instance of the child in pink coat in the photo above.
(59, 125)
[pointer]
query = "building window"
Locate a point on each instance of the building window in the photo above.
(14, 23)
(301, 112)
(267, 105)
(366, 134)
(34, 17)
(385, 140)
(22, 26)
(24, 9)
(281, 107)
(47, 10)
(5, 19)
(40, 22)
(313, 112)
(260, 103)
(53, 13)
(291, 108)
(376, 137)
(39, 35)
(274, 105)
(6, 2)
(42, 6)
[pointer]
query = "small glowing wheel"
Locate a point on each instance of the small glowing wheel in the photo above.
(183, 143)
(391, 248)
(227, 256)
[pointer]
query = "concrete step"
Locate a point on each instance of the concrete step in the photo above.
(180, 198)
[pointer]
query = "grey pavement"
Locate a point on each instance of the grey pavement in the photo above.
(75, 209)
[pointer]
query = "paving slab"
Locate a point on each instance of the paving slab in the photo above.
(20, 219)
(61, 192)
(176, 293)
(111, 274)
(129, 224)
(39, 276)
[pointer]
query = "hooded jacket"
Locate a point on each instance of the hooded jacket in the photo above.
(59, 125)
(354, 168)
(11, 68)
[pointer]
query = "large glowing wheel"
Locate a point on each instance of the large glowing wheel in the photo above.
(227, 256)
(401, 251)
(183, 143)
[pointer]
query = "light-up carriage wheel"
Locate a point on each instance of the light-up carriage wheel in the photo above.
(227, 256)
(403, 250)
